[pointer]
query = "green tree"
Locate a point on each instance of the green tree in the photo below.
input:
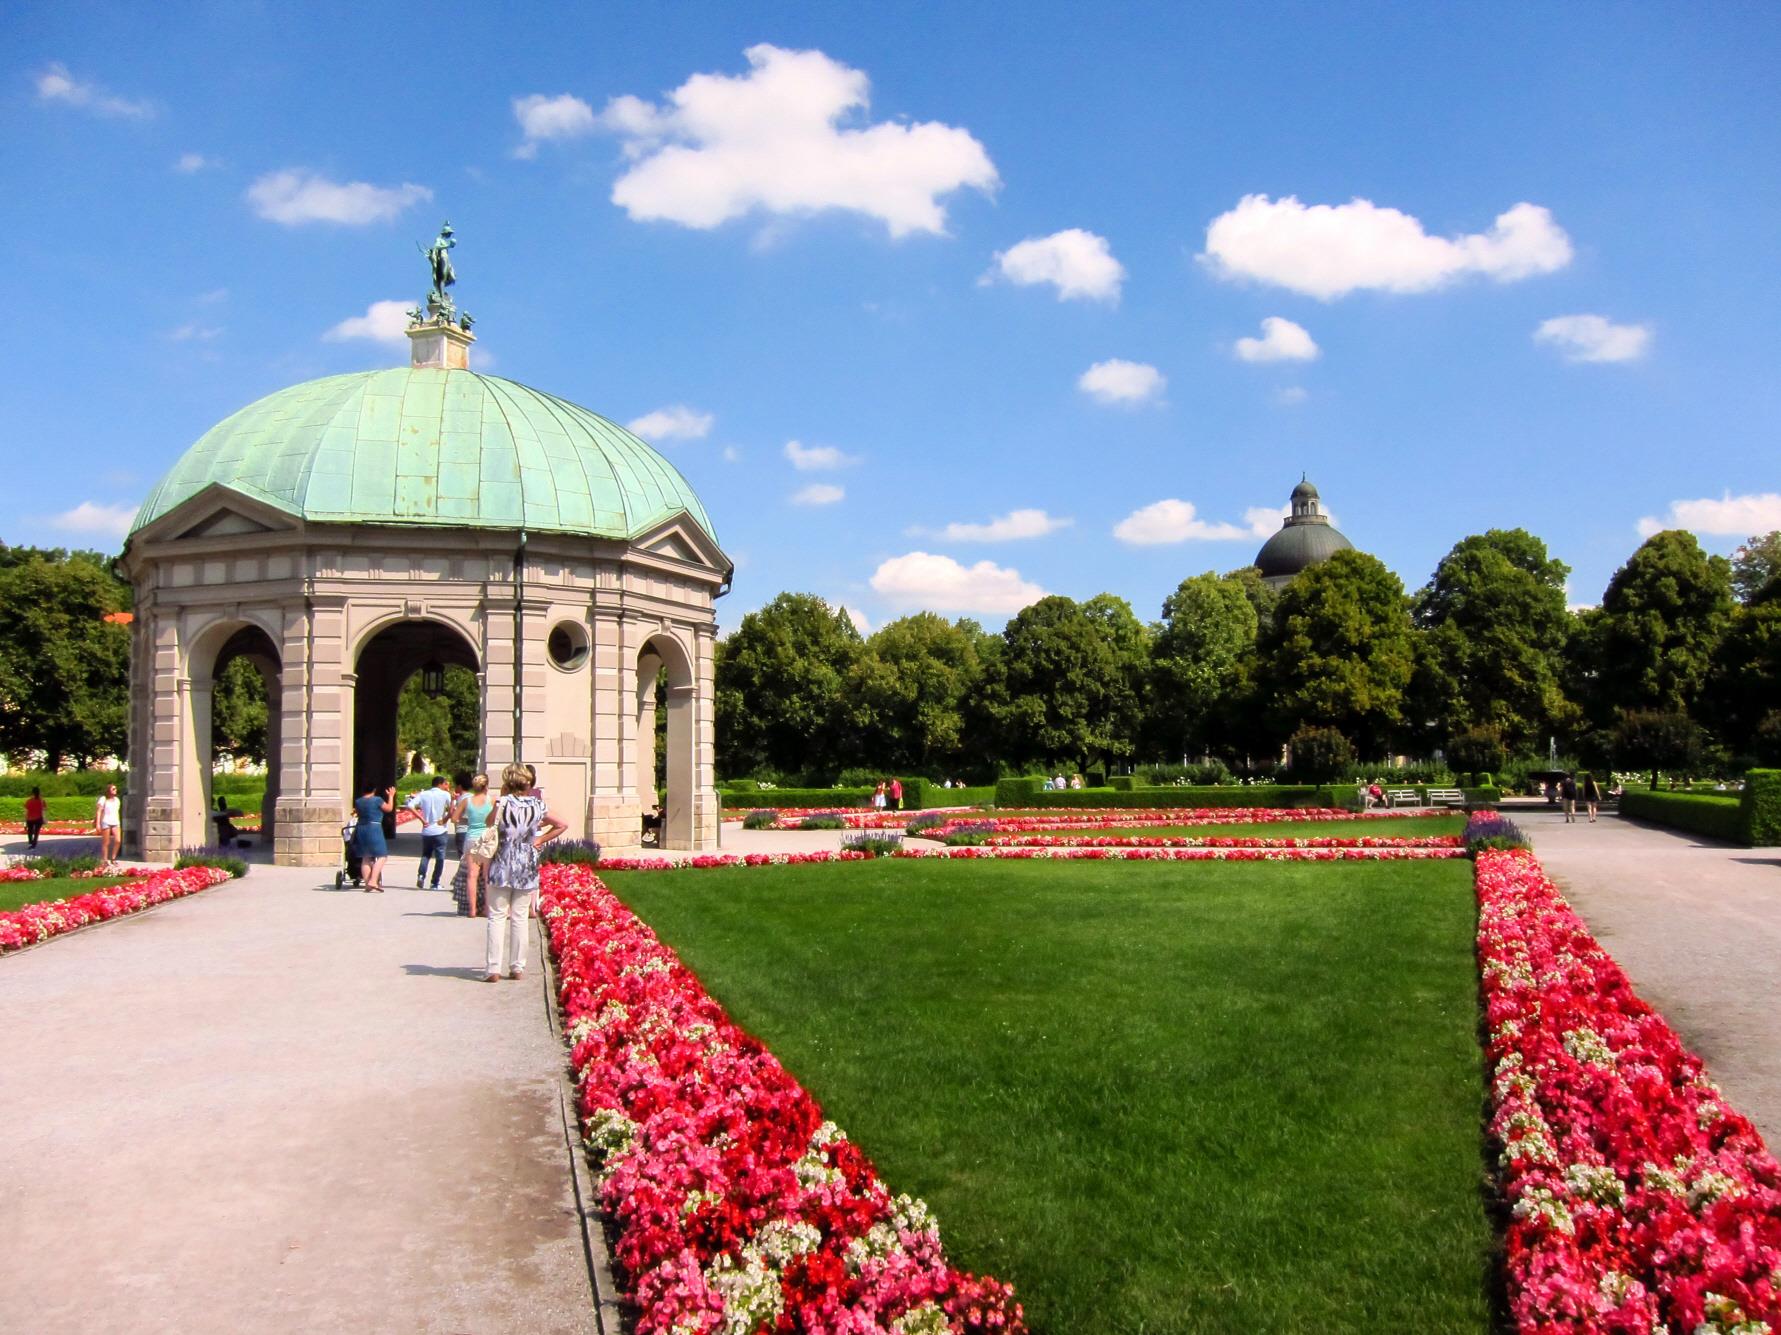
(1755, 564)
(1651, 643)
(1494, 633)
(1744, 685)
(781, 678)
(1340, 652)
(238, 711)
(446, 729)
(1657, 739)
(1129, 641)
(906, 694)
(1320, 755)
(64, 669)
(1262, 596)
(1053, 691)
(1200, 661)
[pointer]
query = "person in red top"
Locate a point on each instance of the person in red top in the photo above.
(896, 794)
(34, 816)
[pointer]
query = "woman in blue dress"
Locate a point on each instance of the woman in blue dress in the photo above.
(368, 840)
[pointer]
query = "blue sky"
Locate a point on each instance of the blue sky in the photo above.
(1468, 267)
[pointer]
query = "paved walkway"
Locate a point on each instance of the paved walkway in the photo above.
(1697, 927)
(275, 1107)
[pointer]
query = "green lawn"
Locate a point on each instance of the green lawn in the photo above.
(15, 894)
(1158, 1098)
(1383, 827)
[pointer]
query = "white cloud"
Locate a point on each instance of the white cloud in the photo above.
(1122, 382)
(188, 163)
(816, 458)
(111, 521)
(732, 455)
(818, 493)
(1328, 251)
(860, 623)
(773, 140)
(1292, 395)
(1594, 338)
(1077, 263)
(1011, 527)
(941, 584)
(1728, 517)
(675, 422)
(295, 196)
(194, 332)
(1281, 341)
(564, 116)
(56, 84)
(383, 322)
(1171, 521)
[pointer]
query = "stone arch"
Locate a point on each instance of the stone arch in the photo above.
(381, 660)
(208, 652)
(663, 652)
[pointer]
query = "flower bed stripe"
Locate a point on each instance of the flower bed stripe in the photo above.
(739, 1208)
(985, 852)
(1218, 841)
(32, 923)
(1639, 1201)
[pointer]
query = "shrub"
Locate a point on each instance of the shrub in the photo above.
(1228, 795)
(1765, 742)
(969, 835)
(231, 862)
(1014, 792)
(824, 820)
(1122, 783)
(927, 822)
(1483, 779)
(1717, 816)
(762, 818)
(1095, 778)
(1489, 830)
(878, 843)
(799, 797)
(53, 864)
(1320, 755)
(576, 852)
(1760, 808)
(1479, 748)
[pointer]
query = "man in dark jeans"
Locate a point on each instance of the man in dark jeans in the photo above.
(432, 805)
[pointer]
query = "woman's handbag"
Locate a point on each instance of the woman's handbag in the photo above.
(485, 844)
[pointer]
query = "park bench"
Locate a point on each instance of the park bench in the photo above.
(1446, 797)
(1403, 797)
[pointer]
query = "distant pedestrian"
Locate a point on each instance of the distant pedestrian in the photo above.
(34, 816)
(523, 824)
(368, 840)
(1567, 793)
(108, 821)
(878, 797)
(471, 815)
(1592, 796)
(432, 805)
(896, 794)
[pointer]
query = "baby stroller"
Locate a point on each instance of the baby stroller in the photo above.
(355, 866)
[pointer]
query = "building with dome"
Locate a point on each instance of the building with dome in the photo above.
(347, 533)
(1305, 538)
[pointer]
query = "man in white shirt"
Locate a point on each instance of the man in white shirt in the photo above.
(431, 805)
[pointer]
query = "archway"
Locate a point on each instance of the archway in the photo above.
(665, 679)
(385, 663)
(209, 663)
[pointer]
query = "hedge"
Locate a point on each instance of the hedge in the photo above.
(1711, 814)
(1761, 808)
(798, 797)
(1224, 795)
(91, 782)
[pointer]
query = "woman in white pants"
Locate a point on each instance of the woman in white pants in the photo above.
(523, 825)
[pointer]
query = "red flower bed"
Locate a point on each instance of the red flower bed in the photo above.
(39, 922)
(1239, 851)
(1639, 1201)
(1188, 816)
(1218, 841)
(740, 1210)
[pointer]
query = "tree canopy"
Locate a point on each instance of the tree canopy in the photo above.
(64, 668)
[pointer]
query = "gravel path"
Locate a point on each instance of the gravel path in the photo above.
(1697, 927)
(278, 1107)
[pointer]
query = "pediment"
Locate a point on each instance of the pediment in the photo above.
(225, 523)
(217, 511)
(681, 538)
(672, 544)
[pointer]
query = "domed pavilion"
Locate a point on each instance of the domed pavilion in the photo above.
(347, 533)
(1306, 537)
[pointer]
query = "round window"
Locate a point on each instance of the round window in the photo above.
(567, 645)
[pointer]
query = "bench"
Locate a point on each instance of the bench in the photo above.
(1446, 797)
(1403, 797)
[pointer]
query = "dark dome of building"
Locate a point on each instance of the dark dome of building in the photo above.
(1305, 538)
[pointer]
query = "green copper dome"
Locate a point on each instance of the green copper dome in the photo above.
(426, 445)
(1306, 538)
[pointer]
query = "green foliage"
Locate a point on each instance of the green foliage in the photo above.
(1477, 749)
(571, 852)
(1494, 631)
(1765, 741)
(64, 669)
(72, 808)
(906, 694)
(1760, 808)
(823, 821)
(1057, 689)
(1340, 653)
(238, 711)
(1744, 685)
(212, 857)
(1200, 661)
(1755, 565)
(447, 730)
(1713, 815)
(51, 864)
(1320, 754)
(1650, 644)
(1230, 795)
(799, 797)
(1014, 792)
(1656, 740)
(781, 685)
(762, 818)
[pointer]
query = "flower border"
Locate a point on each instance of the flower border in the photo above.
(32, 924)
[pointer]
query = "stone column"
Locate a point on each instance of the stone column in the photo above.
(679, 829)
(159, 769)
(706, 811)
(309, 812)
(612, 816)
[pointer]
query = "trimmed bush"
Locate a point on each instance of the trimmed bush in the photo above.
(800, 797)
(824, 820)
(1714, 815)
(1015, 792)
(1229, 795)
(227, 860)
(1320, 754)
(982, 796)
(1123, 783)
(1760, 808)
(1095, 778)
(1484, 795)
(927, 822)
(762, 818)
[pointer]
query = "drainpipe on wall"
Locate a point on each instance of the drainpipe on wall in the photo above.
(519, 630)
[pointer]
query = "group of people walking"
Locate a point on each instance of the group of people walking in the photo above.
(496, 839)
